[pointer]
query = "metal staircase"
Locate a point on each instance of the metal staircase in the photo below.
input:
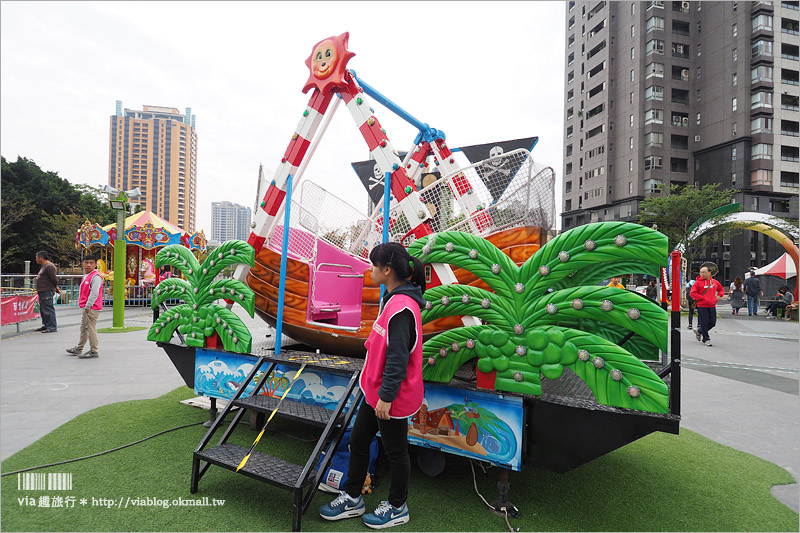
(301, 480)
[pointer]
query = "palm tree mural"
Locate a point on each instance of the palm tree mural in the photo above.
(199, 318)
(548, 314)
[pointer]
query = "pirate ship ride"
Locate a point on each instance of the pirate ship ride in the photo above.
(527, 358)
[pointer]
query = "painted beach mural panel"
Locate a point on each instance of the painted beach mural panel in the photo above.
(469, 423)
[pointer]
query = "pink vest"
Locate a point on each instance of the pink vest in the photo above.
(409, 398)
(86, 288)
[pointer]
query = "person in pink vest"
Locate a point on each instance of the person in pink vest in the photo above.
(391, 381)
(90, 299)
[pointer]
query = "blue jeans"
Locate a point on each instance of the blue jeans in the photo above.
(772, 309)
(752, 305)
(47, 310)
(707, 317)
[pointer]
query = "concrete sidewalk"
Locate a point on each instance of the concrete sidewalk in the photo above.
(741, 392)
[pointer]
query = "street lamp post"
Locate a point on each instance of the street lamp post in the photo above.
(119, 204)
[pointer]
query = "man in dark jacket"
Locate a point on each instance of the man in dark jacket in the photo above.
(46, 287)
(752, 288)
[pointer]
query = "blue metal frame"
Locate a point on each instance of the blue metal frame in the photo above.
(282, 284)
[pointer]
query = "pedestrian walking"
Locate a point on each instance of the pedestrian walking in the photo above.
(787, 299)
(736, 295)
(652, 291)
(47, 288)
(90, 299)
(707, 291)
(752, 289)
(691, 302)
(392, 384)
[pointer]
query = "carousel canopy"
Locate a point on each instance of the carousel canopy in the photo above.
(144, 229)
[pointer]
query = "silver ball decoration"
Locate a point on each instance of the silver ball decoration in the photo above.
(583, 355)
(219, 255)
(233, 291)
(495, 268)
(470, 343)
(428, 305)
(445, 300)
(598, 362)
(196, 290)
(205, 271)
(158, 330)
(426, 249)
(442, 352)
(633, 391)
(233, 251)
(236, 340)
(521, 350)
(183, 290)
(607, 305)
(577, 303)
(465, 299)
(190, 271)
(485, 303)
(194, 319)
(473, 254)
(620, 240)
(634, 313)
(518, 329)
(616, 374)
(212, 262)
(544, 270)
(518, 377)
(589, 245)
(563, 256)
(223, 290)
(552, 308)
(194, 335)
(219, 320)
(169, 319)
(194, 306)
(431, 361)
(455, 346)
(210, 291)
(449, 246)
(519, 288)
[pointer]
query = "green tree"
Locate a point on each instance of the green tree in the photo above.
(59, 237)
(676, 213)
(549, 314)
(199, 317)
(30, 195)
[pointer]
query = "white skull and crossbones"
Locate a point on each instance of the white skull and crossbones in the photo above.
(376, 178)
(496, 163)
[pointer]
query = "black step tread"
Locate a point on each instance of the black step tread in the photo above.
(260, 465)
(289, 408)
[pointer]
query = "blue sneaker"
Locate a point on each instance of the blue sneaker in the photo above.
(343, 507)
(387, 515)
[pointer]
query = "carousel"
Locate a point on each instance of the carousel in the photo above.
(145, 234)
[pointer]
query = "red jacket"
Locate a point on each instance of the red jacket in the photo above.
(706, 291)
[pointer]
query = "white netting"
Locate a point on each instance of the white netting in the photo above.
(501, 192)
(498, 193)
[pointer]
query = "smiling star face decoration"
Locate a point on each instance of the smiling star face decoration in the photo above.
(328, 64)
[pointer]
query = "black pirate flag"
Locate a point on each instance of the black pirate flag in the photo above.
(497, 172)
(371, 177)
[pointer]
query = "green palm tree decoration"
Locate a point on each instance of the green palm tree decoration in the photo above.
(199, 317)
(549, 314)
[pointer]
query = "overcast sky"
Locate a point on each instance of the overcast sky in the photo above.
(479, 71)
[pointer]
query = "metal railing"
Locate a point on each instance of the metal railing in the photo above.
(13, 284)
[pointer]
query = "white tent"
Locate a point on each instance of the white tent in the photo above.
(782, 267)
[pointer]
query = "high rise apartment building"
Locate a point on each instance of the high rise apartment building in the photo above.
(155, 149)
(676, 92)
(229, 221)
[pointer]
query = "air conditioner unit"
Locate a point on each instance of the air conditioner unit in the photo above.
(726, 256)
(685, 5)
(685, 121)
(697, 138)
(685, 73)
(679, 48)
(763, 256)
(714, 255)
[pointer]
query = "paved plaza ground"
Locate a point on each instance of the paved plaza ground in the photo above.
(742, 392)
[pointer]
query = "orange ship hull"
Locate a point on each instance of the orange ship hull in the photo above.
(518, 243)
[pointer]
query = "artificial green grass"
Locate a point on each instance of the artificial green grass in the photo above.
(659, 483)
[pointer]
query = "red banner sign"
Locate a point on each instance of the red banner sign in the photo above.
(19, 308)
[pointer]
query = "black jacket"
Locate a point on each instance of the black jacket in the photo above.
(752, 286)
(402, 337)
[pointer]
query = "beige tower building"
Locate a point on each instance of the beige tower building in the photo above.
(155, 149)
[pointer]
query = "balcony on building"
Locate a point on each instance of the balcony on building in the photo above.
(790, 26)
(681, 7)
(596, 9)
(790, 179)
(790, 51)
(790, 128)
(790, 77)
(680, 96)
(790, 102)
(762, 7)
(680, 73)
(761, 51)
(762, 26)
